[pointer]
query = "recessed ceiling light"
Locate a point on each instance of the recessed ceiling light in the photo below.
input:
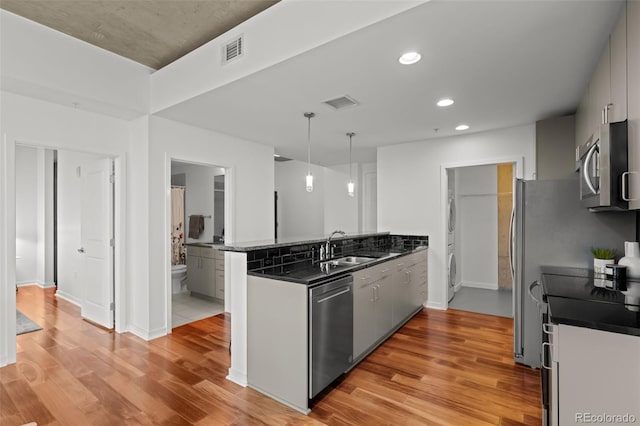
(445, 102)
(462, 127)
(409, 58)
(276, 155)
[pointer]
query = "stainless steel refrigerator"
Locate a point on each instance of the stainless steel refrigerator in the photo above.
(550, 228)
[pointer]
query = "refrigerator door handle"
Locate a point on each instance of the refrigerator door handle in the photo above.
(511, 261)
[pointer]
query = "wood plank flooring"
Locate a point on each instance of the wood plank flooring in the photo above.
(441, 368)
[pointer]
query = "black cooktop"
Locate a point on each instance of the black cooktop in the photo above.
(580, 297)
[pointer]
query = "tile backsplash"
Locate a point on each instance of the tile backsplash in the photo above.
(268, 257)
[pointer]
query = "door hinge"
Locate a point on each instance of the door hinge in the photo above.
(112, 306)
(112, 242)
(112, 178)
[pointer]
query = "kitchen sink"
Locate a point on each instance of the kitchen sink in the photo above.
(349, 261)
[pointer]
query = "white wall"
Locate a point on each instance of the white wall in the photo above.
(46, 64)
(250, 171)
(300, 213)
(45, 218)
(26, 214)
(477, 194)
(29, 121)
(328, 208)
(70, 285)
(409, 186)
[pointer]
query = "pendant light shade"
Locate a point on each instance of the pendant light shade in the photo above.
(351, 186)
(309, 178)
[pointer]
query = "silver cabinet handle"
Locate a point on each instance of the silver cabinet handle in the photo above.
(408, 276)
(81, 250)
(625, 187)
(546, 328)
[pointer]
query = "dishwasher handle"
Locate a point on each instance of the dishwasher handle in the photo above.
(339, 293)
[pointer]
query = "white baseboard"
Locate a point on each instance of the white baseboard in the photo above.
(237, 377)
(147, 334)
(38, 283)
(477, 284)
(435, 305)
(69, 298)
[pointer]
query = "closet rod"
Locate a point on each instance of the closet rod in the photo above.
(205, 216)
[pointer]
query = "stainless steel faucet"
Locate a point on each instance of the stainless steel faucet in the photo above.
(328, 250)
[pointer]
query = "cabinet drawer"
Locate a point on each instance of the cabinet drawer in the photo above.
(220, 292)
(220, 265)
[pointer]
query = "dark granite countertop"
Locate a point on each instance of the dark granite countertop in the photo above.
(581, 298)
(308, 273)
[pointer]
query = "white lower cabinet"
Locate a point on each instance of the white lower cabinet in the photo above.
(385, 295)
(205, 271)
(597, 376)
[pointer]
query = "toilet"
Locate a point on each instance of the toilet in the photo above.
(178, 278)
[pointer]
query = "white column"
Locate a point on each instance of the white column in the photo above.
(236, 288)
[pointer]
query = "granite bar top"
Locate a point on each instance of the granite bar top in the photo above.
(309, 273)
(581, 298)
(283, 242)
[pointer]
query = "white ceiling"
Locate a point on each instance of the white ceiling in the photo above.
(505, 63)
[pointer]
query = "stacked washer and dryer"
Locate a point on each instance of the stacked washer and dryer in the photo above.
(451, 237)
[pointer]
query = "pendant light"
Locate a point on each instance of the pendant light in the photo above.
(351, 187)
(309, 179)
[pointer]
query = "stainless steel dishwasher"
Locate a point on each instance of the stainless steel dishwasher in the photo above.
(330, 332)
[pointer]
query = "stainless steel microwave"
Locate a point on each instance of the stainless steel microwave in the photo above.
(602, 163)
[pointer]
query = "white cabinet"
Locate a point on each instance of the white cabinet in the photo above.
(201, 271)
(633, 101)
(372, 306)
(605, 98)
(384, 296)
(410, 285)
(597, 373)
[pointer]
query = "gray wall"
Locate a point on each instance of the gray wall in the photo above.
(555, 148)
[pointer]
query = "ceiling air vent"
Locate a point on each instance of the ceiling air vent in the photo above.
(233, 50)
(345, 101)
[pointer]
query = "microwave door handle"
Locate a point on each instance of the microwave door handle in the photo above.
(587, 164)
(625, 186)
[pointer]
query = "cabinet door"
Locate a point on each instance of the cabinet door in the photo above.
(208, 277)
(364, 325)
(633, 99)
(618, 74)
(598, 372)
(600, 88)
(582, 119)
(383, 293)
(194, 273)
(400, 281)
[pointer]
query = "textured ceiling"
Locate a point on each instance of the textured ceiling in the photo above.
(151, 32)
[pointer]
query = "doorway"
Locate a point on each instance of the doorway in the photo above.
(479, 202)
(198, 223)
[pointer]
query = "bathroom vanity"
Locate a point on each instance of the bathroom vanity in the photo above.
(205, 271)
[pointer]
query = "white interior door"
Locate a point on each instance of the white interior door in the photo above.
(96, 234)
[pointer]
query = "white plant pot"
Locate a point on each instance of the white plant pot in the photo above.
(599, 265)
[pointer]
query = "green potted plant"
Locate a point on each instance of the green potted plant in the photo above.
(601, 258)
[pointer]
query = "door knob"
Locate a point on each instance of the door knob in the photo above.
(81, 250)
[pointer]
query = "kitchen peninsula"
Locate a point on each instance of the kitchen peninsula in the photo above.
(306, 310)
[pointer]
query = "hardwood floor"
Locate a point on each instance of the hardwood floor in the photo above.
(442, 368)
